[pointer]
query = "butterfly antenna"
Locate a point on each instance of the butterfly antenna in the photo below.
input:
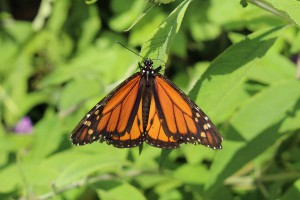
(129, 49)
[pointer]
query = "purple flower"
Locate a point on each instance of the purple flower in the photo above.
(24, 125)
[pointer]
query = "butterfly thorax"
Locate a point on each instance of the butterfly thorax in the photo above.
(147, 71)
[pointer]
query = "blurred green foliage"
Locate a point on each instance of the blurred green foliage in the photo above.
(240, 64)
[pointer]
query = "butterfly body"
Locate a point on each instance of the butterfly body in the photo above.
(147, 107)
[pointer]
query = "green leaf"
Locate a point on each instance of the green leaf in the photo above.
(47, 136)
(70, 97)
(148, 181)
(125, 18)
(90, 28)
(289, 10)
(273, 68)
(10, 179)
(147, 7)
(201, 27)
(122, 191)
(237, 17)
(85, 166)
(229, 70)
(197, 154)
(143, 31)
(291, 123)
(158, 46)
(254, 129)
(26, 175)
(191, 174)
(60, 160)
(265, 108)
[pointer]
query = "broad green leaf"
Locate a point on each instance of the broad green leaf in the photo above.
(201, 27)
(26, 175)
(15, 88)
(254, 129)
(147, 7)
(158, 46)
(47, 136)
(291, 123)
(90, 27)
(13, 142)
(236, 17)
(289, 10)
(147, 159)
(86, 161)
(265, 108)
(173, 194)
(86, 166)
(143, 31)
(94, 63)
(191, 174)
(179, 48)
(231, 103)
(123, 191)
(10, 179)
(147, 181)
(125, 18)
(229, 70)
(197, 154)
(273, 68)
(77, 91)
(60, 160)
(167, 186)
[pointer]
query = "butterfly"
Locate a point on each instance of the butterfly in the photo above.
(147, 107)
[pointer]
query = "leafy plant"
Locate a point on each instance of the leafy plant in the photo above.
(239, 64)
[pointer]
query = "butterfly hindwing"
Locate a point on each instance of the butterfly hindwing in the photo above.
(156, 135)
(115, 118)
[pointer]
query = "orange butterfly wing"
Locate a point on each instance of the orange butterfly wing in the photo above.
(116, 119)
(175, 119)
(147, 107)
(156, 135)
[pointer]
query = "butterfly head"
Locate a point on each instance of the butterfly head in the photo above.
(148, 67)
(148, 63)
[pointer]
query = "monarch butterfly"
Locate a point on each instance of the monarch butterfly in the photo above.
(148, 107)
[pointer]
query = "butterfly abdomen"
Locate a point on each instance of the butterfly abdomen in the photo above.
(146, 107)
